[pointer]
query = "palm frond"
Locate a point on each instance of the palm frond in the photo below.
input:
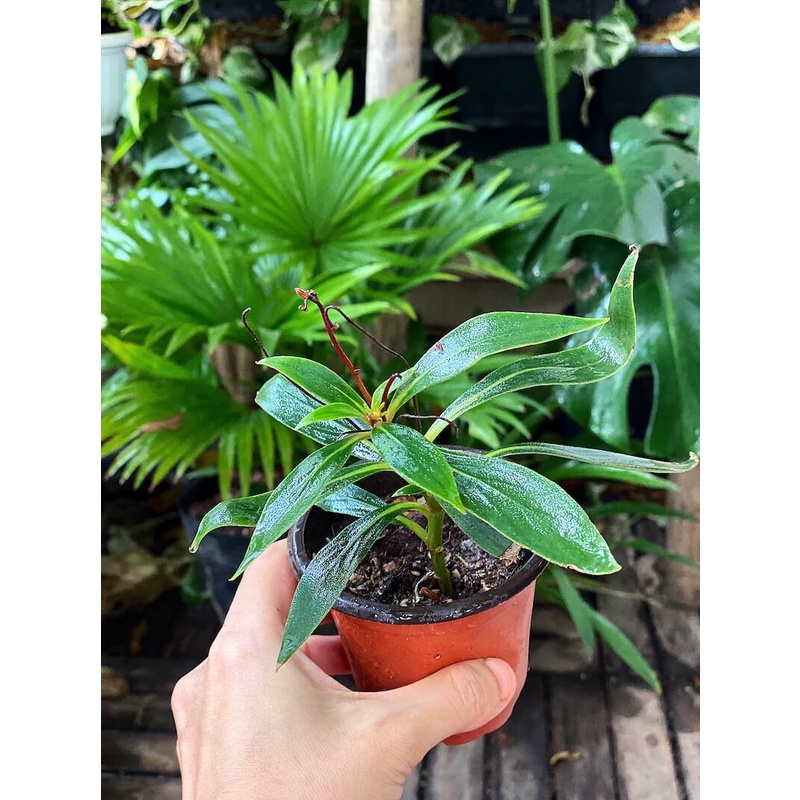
(156, 426)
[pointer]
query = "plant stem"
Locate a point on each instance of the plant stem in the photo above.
(436, 547)
(549, 63)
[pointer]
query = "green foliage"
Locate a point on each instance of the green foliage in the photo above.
(333, 204)
(496, 502)
(325, 191)
(157, 140)
(687, 38)
(450, 38)
(587, 47)
(320, 30)
(172, 294)
(649, 194)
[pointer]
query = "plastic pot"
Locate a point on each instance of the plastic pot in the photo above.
(113, 67)
(389, 646)
(221, 551)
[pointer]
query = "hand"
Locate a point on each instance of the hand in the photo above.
(247, 731)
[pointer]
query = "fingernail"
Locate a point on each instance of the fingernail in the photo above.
(504, 675)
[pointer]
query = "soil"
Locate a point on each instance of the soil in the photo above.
(397, 570)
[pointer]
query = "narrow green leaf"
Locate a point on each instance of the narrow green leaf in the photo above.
(240, 512)
(624, 648)
(578, 608)
(479, 337)
(601, 458)
(416, 460)
(295, 494)
(598, 358)
(326, 576)
(286, 447)
(592, 472)
(352, 501)
(284, 402)
(317, 379)
(329, 412)
(646, 546)
(146, 361)
(636, 509)
(531, 511)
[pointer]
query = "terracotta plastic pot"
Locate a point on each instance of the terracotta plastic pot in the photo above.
(391, 645)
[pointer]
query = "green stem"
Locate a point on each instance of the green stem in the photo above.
(436, 546)
(548, 60)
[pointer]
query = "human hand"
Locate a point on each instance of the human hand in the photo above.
(247, 731)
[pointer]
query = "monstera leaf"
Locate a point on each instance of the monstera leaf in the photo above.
(667, 300)
(622, 201)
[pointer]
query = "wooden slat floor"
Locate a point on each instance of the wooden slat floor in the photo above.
(584, 728)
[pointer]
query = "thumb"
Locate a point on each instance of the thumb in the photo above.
(455, 699)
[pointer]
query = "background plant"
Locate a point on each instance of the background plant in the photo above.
(323, 190)
(290, 202)
(649, 193)
(586, 47)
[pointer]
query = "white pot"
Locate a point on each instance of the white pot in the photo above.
(113, 66)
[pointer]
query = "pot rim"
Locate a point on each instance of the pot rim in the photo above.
(117, 39)
(395, 614)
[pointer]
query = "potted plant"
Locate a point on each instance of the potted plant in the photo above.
(115, 36)
(428, 554)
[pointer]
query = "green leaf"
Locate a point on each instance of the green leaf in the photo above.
(531, 511)
(483, 534)
(478, 337)
(622, 201)
(676, 114)
(450, 38)
(646, 546)
(144, 360)
(240, 66)
(624, 648)
(293, 496)
(329, 412)
(344, 498)
(237, 511)
(416, 460)
(326, 576)
(321, 43)
(172, 275)
(636, 509)
(595, 360)
(315, 184)
(667, 299)
(600, 458)
(156, 426)
(317, 379)
(578, 608)
(591, 472)
(352, 501)
(687, 38)
(286, 403)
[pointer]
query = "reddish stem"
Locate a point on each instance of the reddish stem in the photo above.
(330, 327)
(392, 379)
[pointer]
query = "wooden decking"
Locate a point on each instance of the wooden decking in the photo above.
(583, 727)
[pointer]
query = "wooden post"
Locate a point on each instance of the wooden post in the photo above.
(681, 583)
(394, 55)
(394, 46)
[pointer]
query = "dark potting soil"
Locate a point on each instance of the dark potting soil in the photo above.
(398, 571)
